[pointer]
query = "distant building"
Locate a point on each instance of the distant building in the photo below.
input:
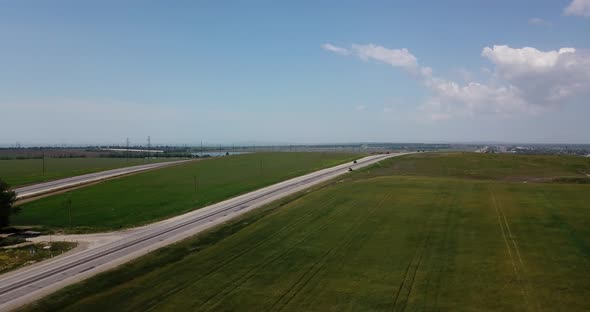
(483, 149)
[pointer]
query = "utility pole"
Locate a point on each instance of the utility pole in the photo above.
(69, 205)
(149, 147)
(127, 150)
(43, 160)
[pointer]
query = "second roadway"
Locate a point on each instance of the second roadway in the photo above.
(26, 285)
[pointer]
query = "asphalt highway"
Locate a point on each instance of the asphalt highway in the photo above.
(24, 286)
(57, 185)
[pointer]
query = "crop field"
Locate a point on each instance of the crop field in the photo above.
(158, 194)
(504, 167)
(373, 242)
(18, 172)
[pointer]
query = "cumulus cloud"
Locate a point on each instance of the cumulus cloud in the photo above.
(578, 8)
(335, 49)
(448, 99)
(539, 22)
(523, 80)
(543, 77)
(526, 58)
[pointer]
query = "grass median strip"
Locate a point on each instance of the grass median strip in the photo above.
(159, 194)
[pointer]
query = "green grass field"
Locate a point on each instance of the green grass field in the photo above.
(373, 242)
(20, 172)
(158, 194)
(505, 167)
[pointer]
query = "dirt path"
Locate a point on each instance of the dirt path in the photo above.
(86, 241)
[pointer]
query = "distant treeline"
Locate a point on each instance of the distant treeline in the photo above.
(113, 155)
(108, 155)
(40, 157)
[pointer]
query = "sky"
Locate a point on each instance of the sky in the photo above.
(231, 72)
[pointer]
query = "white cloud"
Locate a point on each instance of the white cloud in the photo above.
(449, 99)
(526, 58)
(335, 49)
(539, 22)
(578, 8)
(523, 80)
(463, 74)
(543, 77)
(401, 58)
(361, 108)
(394, 57)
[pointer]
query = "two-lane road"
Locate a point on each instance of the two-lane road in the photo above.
(61, 184)
(25, 286)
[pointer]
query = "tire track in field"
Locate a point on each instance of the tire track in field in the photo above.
(152, 304)
(247, 249)
(306, 277)
(514, 254)
(361, 237)
(411, 270)
(231, 286)
(359, 242)
(445, 244)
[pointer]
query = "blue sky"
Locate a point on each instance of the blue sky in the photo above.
(301, 72)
